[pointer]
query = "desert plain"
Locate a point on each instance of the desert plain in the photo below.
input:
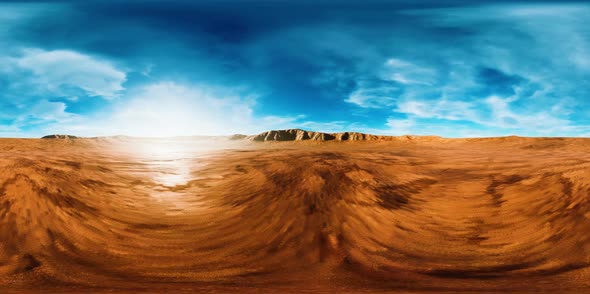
(378, 214)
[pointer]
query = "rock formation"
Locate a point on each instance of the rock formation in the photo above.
(59, 137)
(302, 135)
(238, 137)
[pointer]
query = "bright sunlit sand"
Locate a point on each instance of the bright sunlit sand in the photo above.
(172, 161)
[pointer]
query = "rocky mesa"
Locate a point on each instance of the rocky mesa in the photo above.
(59, 137)
(301, 135)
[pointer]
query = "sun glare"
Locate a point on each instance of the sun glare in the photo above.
(171, 161)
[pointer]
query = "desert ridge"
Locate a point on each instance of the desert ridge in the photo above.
(281, 135)
(300, 135)
(304, 135)
(56, 136)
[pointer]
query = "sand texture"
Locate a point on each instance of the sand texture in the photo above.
(407, 215)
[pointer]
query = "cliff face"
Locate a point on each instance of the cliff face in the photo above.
(301, 135)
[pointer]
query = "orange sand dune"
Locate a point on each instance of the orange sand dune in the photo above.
(415, 215)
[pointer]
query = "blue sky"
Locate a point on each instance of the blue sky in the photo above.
(164, 68)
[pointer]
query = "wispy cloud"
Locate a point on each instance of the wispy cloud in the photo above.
(511, 74)
(37, 86)
(375, 94)
(63, 72)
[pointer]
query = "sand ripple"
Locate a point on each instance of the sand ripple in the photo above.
(492, 216)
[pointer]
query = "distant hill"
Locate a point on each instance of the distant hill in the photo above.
(238, 137)
(279, 135)
(59, 137)
(302, 135)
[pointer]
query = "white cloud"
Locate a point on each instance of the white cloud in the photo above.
(60, 74)
(59, 70)
(48, 111)
(540, 122)
(493, 117)
(395, 76)
(171, 109)
(38, 114)
(401, 126)
(406, 73)
(374, 96)
(440, 109)
(8, 129)
(550, 62)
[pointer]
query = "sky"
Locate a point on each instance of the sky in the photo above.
(180, 68)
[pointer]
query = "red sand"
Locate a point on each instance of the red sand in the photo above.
(414, 215)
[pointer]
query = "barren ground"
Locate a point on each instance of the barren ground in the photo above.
(127, 215)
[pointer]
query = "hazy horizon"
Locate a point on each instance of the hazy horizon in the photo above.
(253, 134)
